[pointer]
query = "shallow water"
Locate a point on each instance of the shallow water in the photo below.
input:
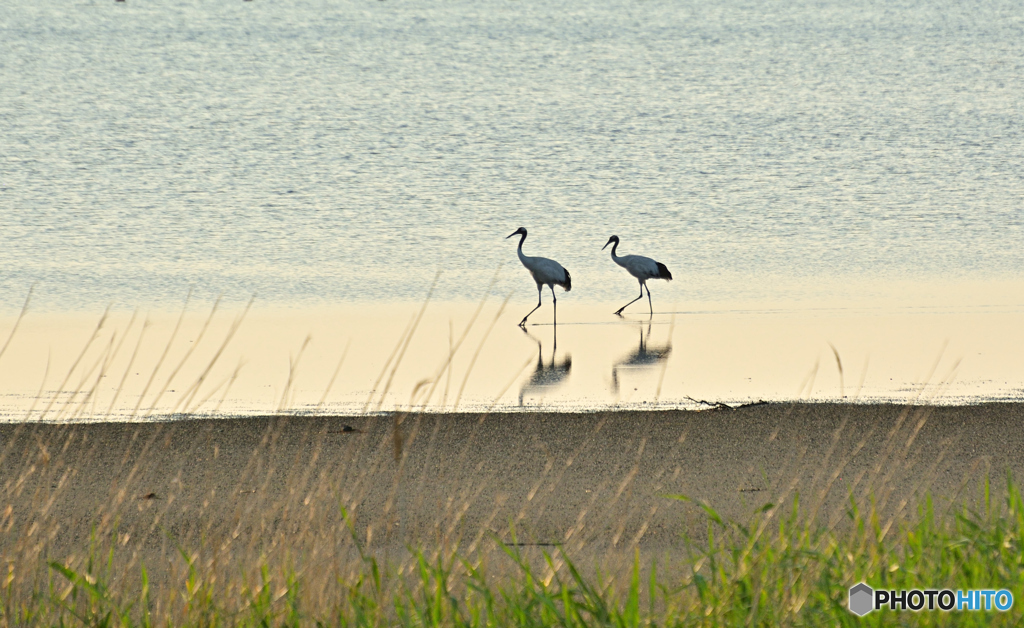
(318, 153)
(369, 358)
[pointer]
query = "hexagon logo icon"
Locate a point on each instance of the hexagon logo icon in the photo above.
(861, 599)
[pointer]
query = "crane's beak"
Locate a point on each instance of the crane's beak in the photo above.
(511, 234)
(606, 244)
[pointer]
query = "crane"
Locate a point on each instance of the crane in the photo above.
(643, 268)
(545, 272)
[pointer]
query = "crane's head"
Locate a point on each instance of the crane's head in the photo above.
(614, 239)
(519, 231)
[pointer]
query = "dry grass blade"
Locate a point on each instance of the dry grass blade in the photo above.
(128, 367)
(664, 364)
(479, 348)
(74, 365)
(387, 363)
(163, 356)
(863, 376)
(225, 384)
(111, 353)
(446, 366)
(193, 390)
(334, 376)
(839, 365)
(292, 366)
(42, 385)
(188, 353)
(408, 340)
(102, 363)
(448, 371)
(931, 372)
(501, 393)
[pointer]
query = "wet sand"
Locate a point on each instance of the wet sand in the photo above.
(588, 482)
(356, 358)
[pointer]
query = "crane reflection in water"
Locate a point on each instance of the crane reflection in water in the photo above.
(546, 376)
(644, 357)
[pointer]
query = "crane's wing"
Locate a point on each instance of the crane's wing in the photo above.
(639, 266)
(548, 271)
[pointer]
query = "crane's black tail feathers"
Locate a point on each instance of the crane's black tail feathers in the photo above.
(568, 281)
(663, 271)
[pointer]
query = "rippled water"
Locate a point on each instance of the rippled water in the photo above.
(324, 152)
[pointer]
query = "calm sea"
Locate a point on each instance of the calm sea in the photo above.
(316, 153)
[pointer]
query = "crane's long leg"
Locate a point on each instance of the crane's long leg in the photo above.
(619, 311)
(554, 304)
(522, 323)
(648, 298)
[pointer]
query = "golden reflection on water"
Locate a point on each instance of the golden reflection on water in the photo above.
(383, 357)
(545, 377)
(645, 356)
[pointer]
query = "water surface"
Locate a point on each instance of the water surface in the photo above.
(317, 153)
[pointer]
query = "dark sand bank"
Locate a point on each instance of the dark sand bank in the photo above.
(588, 481)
